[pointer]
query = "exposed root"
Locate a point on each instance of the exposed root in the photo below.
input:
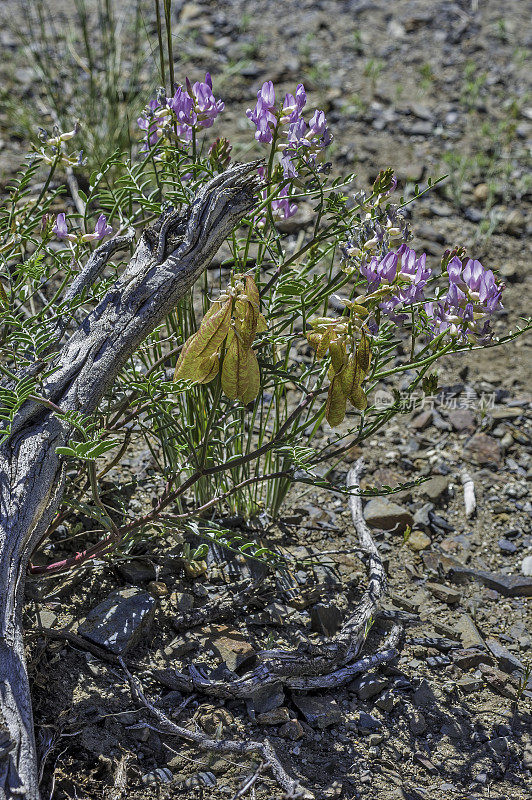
(291, 787)
(312, 666)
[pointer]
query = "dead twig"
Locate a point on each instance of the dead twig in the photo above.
(291, 787)
(469, 494)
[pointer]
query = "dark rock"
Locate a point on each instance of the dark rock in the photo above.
(435, 662)
(319, 711)
(228, 644)
(470, 658)
(417, 723)
(292, 730)
(462, 419)
(437, 521)
(267, 697)
(507, 547)
(384, 514)
(386, 701)
(368, 686)
(507, 585)
(367, 722)
(505, 660)
(119, 621)
(484, 449)
(184, 601)
(443, 593)
(276, 716)
(325, 618)
(136, 571)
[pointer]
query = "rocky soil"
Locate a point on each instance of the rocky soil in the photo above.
(430, 89)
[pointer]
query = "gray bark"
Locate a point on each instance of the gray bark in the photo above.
(32, 474)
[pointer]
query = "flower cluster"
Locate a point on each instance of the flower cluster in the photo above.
(274, 124)
(101, 229)
(400, 276)
(56, 143)
(189, 109)
(473, 296)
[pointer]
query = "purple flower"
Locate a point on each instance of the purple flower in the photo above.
(102, 228)
(472, 297)
(148, 124)
(378, 270)
(293, 106)
(60, 228)
(262, 115)
(318, 129)
(282, 207)
(207, 107)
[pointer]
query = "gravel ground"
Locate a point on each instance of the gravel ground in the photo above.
(430, 89)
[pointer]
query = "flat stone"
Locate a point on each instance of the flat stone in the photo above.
(292, 730)
(505, 659)
(426, 763)
(367, 722)
(421, 421)
(498, 681)
(267, 697)
(418, 541)
(470, 658)
(508, 585)
(443, 593)
(277, 716)
(435, 662)
(469, 684)
(325, 618)
(436, 487)
(462, 419)
(469, 634)
(229, 645)
(383, 513)
(368, 686)
(508, 547)
(484, 450)
(319, 711)
(136, 571)
(506, 412)
(119, 621)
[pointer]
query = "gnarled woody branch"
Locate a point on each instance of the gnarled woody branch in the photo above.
(32, 474)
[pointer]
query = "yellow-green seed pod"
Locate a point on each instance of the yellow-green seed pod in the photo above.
(338, 354)
(193, 363)
(336, 403)
(363, 353)
(358, 398)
